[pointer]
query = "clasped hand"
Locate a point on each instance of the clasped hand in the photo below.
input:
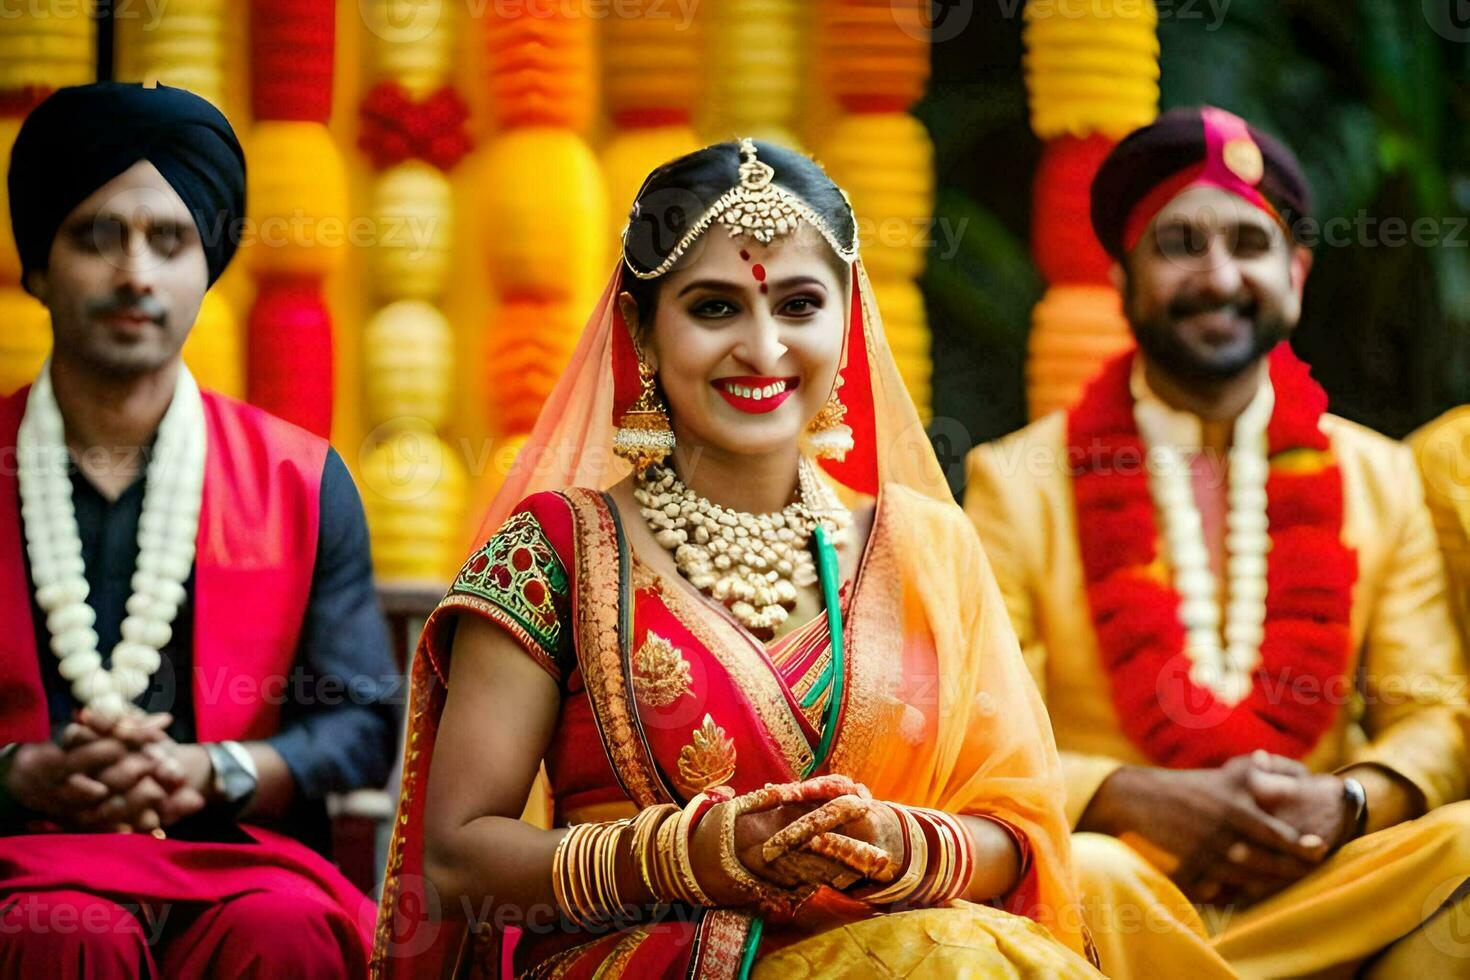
(793, 838)
(1244, 831)
(107, 775)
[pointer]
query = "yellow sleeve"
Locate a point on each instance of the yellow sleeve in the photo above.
(999, 509)
(1442, 449)
(1413, 675)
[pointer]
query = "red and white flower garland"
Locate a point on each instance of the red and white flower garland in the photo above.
(1176, 694)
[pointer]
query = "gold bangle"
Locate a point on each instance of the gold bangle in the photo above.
(959, 857)
(645, 832)
(565, 877)
(964, 857)
(941, 859)
(683, 867)
(584, 872)
(918, 863)
(608, 858)
(668, 888)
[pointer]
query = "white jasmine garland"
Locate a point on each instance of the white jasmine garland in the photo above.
(1223, 665)
(173, 492)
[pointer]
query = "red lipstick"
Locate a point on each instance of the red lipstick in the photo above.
(756, 395)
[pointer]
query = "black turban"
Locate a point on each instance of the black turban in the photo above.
(81, 137)
(1175, 143)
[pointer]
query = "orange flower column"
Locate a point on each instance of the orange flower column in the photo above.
(757, 68)
(1092, 77)
(875, 63)
(651, 86)
(183, 45)
(544, 211)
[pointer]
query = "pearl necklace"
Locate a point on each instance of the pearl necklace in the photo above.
(753, 563)
(166, 532)
(1224, 669)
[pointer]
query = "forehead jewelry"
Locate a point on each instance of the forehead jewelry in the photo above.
(756, 206)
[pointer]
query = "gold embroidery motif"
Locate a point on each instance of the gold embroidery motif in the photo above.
(734, 651)
(707, 761)
(661, 675)
(875, 627)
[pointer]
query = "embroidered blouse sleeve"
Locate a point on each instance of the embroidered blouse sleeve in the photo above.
(517, 580)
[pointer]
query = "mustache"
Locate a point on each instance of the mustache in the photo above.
(1187, 306)
(124, 304)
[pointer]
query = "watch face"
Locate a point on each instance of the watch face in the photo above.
(233, 782)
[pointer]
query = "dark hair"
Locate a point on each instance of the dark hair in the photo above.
(676, 194)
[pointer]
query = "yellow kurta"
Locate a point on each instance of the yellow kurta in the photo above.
(1443, 450)
(1020, 497)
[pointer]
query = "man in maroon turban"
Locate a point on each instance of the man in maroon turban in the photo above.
(1234, 603)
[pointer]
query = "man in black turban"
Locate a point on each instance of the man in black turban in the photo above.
(183, 581)
(1221, 586)
(149, 180)
(82, 137)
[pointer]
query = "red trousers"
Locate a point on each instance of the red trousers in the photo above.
(126, 905)
(254, 936)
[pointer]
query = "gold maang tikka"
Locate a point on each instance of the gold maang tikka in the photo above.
(643, 435)
(756, 206)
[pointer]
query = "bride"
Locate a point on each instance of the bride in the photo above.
(785, 723)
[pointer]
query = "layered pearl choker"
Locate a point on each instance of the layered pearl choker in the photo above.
(1226, 668)
(753, 563)
(166, 532)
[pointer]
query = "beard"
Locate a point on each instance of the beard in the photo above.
(1172, 340)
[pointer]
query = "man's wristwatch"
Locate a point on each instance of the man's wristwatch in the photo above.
(235, 775)
(1357, 800)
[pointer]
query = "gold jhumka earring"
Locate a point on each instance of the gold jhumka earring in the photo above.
(827, 435)
(644, 436)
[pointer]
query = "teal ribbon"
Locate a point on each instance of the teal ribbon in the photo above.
(833, 677)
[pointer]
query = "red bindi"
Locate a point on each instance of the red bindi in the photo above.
(745, 255)
(759, 271)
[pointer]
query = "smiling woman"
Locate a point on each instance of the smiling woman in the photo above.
(761, 654)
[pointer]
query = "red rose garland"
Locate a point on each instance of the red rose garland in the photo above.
(1135, 610)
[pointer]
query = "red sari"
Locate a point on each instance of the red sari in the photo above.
(558, 577)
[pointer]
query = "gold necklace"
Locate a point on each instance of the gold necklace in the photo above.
(752, 563)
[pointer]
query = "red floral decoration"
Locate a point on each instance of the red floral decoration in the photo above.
(1135, 610)
(290, 353)
(1062, 243)
(16, 103)
(291, 48)
(397, 127)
